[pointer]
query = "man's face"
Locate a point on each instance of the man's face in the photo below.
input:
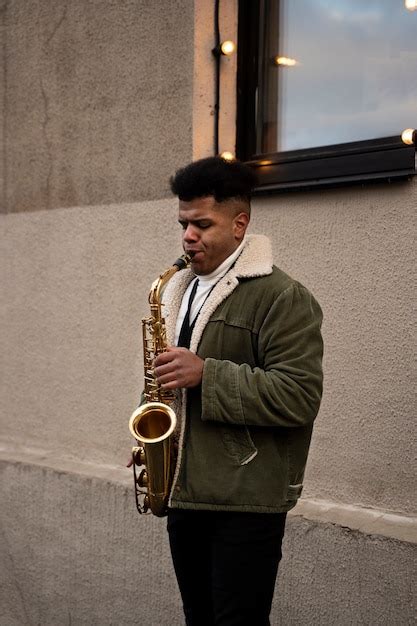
(211, 232)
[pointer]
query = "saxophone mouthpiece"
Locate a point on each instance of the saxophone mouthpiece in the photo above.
(182, 262)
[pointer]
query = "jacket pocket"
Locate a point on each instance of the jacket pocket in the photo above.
(238, 444)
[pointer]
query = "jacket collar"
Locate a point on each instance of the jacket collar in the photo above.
(255, 260)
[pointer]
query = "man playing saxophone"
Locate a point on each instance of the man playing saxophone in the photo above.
(245, 351)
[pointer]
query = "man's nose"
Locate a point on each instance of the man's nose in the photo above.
(190, 234)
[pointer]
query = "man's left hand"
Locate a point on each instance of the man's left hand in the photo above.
(177, 368)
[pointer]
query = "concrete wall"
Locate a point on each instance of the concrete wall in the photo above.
(97, 100)
(103, 101)
(356, 249)
(75, 284)
(75, 552)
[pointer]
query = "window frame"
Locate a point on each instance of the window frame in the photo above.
(382, 159)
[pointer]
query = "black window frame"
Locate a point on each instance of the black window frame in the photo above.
(374, 160)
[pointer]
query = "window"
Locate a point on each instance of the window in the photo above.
(325, 89)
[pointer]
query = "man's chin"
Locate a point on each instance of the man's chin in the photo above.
(197, 264)
(198, 268)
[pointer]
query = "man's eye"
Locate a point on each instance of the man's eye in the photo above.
(203, 225)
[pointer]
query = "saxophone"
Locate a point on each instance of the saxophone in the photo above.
(153, 423)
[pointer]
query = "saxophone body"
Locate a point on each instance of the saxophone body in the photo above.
(153, 423)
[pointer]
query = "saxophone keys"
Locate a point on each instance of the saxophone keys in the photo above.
(138, 454)
(143, 479)
(146, 504)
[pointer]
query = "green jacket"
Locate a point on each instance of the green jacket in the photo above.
(245, 431)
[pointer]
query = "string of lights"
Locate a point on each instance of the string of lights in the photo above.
(221, 48)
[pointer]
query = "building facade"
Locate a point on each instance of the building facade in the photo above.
(102, 102)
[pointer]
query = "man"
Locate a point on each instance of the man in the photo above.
(246, 352)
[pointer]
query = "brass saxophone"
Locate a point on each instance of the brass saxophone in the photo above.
(153, 423)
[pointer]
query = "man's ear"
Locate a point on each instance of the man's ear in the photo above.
(240, 224)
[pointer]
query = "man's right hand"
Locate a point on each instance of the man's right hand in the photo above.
(178, 368)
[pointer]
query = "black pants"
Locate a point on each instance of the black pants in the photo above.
(226, 565)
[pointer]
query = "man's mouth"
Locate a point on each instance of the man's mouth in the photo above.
(193, 253)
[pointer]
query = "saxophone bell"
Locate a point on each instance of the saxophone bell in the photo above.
(152, 425)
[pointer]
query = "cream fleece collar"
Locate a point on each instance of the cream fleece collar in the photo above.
(254, 260)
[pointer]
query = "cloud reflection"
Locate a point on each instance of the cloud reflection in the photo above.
(356, 76)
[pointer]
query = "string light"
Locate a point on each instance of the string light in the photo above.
(226, 48)
(228, 156)
(286, 61)
(221, 48)
(409, 136)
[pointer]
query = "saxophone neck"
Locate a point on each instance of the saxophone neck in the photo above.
(157, 288)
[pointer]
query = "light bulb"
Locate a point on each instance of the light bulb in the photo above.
(227, 47)
(227, 156)
(411, 5)
(278, 60)
(409, 136)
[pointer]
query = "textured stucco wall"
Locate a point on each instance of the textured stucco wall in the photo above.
(76, 552)
(331, 576)
(355, 248)
(97, 100)
(75, 285)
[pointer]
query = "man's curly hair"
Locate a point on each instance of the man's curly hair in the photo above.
(215, 177)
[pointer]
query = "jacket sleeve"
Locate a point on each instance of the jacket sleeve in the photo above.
(286, 389)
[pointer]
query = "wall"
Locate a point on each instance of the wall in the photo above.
(96, 115)
(75, 552)
(96, 94)
(356, 249)
(75, 285)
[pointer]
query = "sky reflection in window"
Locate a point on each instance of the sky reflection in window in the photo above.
(355, 75)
